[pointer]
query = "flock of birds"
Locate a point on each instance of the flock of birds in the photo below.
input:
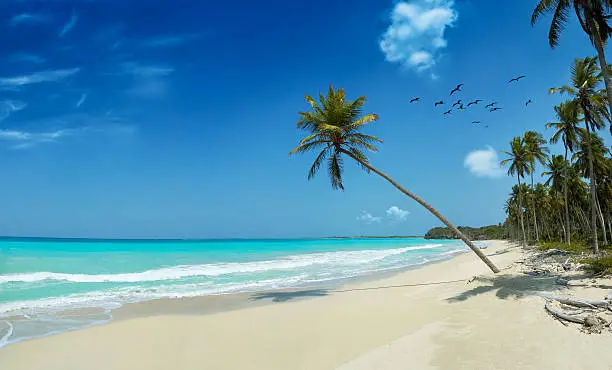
(492, 107)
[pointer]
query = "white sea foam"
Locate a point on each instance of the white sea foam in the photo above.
(218, 269)
(48, 316)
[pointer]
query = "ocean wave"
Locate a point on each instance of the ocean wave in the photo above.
(342, 258)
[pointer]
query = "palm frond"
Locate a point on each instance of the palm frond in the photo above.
(559, 22)
(544, 6)
(308, 147)
(335, 167)
(317, 163)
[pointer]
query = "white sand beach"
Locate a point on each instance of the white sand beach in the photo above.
(427, 318)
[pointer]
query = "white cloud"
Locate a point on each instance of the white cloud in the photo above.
(397, 213)
(149, 81)
(368, 218)
(81, 100)
(416, 34)
(69, 25)
(27, 58)
(37, 77)
(75, 125)
(31, 18)
(7, 107)
(484, 163)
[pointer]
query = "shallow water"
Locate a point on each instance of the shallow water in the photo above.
(50, 286)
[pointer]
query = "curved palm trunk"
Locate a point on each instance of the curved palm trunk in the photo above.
(431, 209)
(521, 210)
(591, 183)
(535, 218)
(601, 219)
(604, 67)
(567, 215)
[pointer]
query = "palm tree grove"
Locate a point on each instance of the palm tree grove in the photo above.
(571, 208)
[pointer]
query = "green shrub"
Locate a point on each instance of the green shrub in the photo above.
(599, 265)
(576, 248)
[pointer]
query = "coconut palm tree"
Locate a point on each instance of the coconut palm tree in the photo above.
(585, 78)
(519, 159)
(557, 180)
(593, 18)
(334, 125)
(538, 152)
(601, 168)
(568, 132)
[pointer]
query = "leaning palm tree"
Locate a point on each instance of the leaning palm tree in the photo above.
(519, 159)
(334, 125)
(585, 78)
(593, 17)
(538, 152)
(568, 132)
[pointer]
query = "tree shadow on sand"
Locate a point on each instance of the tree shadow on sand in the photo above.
(286, 296)
(513, 286)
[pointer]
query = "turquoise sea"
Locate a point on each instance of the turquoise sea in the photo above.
(52, 285)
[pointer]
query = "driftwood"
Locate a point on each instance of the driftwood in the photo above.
(576, 302)
(561, 315)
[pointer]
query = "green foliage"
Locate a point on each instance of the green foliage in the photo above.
(601, 265)
(492, 232)
(334, 124)
(574, 248)
(592, 16)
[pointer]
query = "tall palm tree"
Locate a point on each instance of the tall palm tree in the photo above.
(334, 125)
(601, 168)
(538, 152)
(556, 171)
(593, 18)
(568, 132)
(519, 159)
(585, 78)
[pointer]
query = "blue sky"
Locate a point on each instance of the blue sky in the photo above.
(125, 119)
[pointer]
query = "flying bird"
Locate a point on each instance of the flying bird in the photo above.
(458, 88)
(516, 79)
(490, 105)
(494, 109)
(415, 99)
(438, 103)
(528, 102)
(448, 112)
(461, 107)
(458, 102)
(474, 102)
(476, 122)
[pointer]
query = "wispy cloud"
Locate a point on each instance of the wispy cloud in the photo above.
(149, 81)
(38, 77)
(26, 58)
(167, 41)
(69, 25)
(368, 218)
(484, 163)
(81, 100)
(415, 36)
(29, 18)
(94, 126)
(397, 213)
(8, 107)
